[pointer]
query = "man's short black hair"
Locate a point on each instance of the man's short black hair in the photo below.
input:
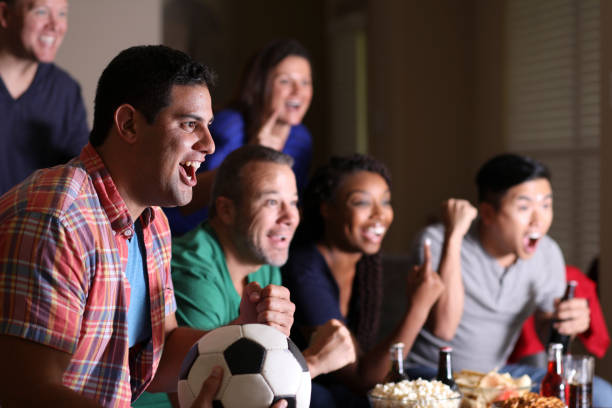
(505, 171)
(228, 181)
(143, 76)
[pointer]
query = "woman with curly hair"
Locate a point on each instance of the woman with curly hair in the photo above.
(334, 269)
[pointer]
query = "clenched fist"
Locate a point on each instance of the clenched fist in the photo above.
(458, 215)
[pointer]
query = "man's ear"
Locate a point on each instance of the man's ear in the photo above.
(4, 14)
(487, 212)
(125, 122)
(226, 210)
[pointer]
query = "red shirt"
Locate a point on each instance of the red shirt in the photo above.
(596, 339)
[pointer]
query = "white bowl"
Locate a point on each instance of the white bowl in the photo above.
(483, 397)
(431, 402)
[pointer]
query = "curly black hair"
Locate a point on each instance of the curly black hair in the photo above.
(364, 308)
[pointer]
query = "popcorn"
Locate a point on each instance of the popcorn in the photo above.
(414, 394)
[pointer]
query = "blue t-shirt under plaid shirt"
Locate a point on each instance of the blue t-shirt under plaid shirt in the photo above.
(139, 311)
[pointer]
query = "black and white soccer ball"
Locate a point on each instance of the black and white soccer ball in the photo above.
(261, 366)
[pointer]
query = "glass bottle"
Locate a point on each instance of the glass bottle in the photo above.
(445, 369)
(396, 374)
(553, 383)
(555, 336)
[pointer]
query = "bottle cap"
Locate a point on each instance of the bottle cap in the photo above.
(573, 283)
(446, 349)
(555, 346)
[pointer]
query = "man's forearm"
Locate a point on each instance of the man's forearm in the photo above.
(32, 376)
(178, 342)
(447, 312)
(47, 395)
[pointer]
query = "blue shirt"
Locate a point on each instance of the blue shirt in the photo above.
(45, 126)
(229, 133)
(139, 312)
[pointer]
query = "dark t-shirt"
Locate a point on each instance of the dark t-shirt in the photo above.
(313, 290)
(317, 299)
(45, 126)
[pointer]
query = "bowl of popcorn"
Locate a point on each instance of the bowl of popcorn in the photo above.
(481, 390)
(414, 394)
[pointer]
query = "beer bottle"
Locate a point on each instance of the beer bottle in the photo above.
(396, 374)
(553, 383)
(555, 336)
(445, 370)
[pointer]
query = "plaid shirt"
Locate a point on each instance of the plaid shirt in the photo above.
(63, 254)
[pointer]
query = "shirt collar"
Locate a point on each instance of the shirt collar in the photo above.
(110, 199)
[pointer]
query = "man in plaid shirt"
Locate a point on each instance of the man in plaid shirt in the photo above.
(86, 300)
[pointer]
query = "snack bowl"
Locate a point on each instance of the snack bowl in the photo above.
(414, 394)
(484, 397)
(431, 402)
(529, 400)
(481, 390)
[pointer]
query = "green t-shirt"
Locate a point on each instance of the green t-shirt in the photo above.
(205, 295)
(204, 291)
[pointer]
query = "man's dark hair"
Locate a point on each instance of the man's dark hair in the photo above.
(143, 76)
(505, 171)
(251, 95)
(228, 180)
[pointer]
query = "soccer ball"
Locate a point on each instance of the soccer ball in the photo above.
(260, 366)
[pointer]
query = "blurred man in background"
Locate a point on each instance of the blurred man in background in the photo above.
(43, 115)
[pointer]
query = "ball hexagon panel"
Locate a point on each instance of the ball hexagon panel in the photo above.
(282, 371)
(271, 337)
(217, 340)
(201, 368)
(242, 389)
(303, 393)
(186, 396)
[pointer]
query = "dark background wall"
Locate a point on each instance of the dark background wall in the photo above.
(225, 33)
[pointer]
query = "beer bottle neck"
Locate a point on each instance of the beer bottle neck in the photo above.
(397, 358)
(570, 290)
(396, 373)
(555, 362)
(444, 365)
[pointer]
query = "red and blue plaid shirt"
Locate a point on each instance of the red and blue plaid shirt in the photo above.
(63, 254)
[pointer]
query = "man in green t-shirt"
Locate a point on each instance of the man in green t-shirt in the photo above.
(253, 216)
